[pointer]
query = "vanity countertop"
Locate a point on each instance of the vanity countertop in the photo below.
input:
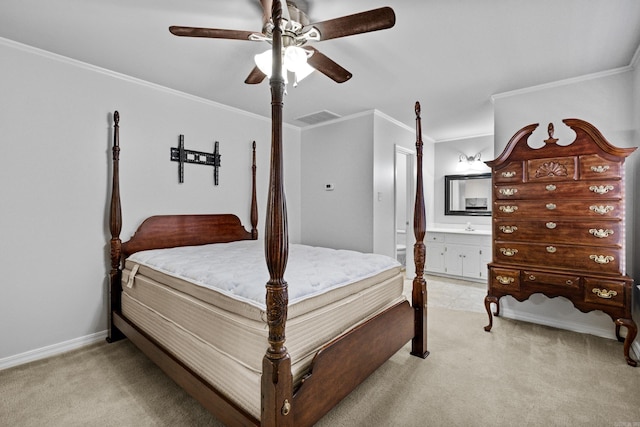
(479, 232)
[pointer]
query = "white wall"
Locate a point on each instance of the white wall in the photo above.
(55, 118)
(356, 154)
(338, 153)
(607, 102)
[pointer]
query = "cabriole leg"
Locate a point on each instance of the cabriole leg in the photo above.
(632, 330)
(487, 305)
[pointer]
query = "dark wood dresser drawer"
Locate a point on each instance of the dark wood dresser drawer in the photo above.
(596, 189)
(552, 169)
(543, 278)
(589, 258)
(560, 207)
(593, 166)
(592, 233)
(608, 292)
(505, 279)
(510, 173)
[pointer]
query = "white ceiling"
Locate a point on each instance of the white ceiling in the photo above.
(451, 55)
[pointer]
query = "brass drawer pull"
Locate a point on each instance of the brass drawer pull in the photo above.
(551, 187)
(508, 251)
(508, 174)
(600, 233)
(505, 280)
(569, 282)
(508, 191)
(551, 206)
(551, 249)
(508, 229)
(551, 225)
(599, 169)
(601, 189)
(508, 209)
(602, 210)
(532, 277)
(604, 293)
(601, 259)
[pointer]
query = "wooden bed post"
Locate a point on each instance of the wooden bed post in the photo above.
(254, 199)
(277, 383)
(115, 225)
(419, 293)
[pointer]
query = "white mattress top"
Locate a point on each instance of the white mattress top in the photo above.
(239, 269)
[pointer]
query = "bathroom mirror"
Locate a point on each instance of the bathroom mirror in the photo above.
(467, 194)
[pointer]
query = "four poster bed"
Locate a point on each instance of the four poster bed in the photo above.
(189, 291)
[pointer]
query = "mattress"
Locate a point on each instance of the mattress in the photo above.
(205, 304)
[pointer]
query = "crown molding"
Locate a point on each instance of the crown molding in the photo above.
(559, 83)
(635, 61)
(116, 75)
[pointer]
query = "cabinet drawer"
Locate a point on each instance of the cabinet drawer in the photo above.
(593, 166)
(511, 172)
(435, 237)
(594, 190)
(608, 292)
(561, 207)
(552, 169)
(592, 233)
(589, 258)
(563, 280)
(505, 279)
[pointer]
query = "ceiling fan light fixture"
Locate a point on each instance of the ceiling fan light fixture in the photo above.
(295, 60)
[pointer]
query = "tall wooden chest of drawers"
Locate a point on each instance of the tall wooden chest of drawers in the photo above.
(559, 225)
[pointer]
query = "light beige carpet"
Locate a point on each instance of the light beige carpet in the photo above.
(520, 374)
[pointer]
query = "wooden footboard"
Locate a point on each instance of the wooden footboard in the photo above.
(343, 364)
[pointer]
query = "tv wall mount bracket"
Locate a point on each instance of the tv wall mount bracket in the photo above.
(182, 156)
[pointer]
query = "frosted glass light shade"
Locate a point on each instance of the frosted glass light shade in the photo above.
(295, 60)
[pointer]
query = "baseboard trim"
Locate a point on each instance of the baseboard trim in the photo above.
(570, 326)
(51, 350)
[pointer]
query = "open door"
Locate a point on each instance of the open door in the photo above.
(404, 198)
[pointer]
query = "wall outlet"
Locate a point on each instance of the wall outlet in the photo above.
(329, 187)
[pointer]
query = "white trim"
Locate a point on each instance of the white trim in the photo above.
(635, 61)
(51, 350)
(130, 79)
(554, 323)
(569, 326)
(559, 83)
(480, 135)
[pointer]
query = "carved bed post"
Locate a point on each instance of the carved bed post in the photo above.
(254, 199)
(277, 384)
(115, 225)
(419, 293)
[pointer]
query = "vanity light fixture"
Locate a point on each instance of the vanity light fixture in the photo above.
(469, 159)
(469, 162)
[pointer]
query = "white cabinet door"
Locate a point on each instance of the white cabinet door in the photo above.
(435, 257)
(463, 260)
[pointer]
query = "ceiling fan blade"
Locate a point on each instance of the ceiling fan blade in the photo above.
(363, 22)
(327, 66)
(213, 33)
(255, 76)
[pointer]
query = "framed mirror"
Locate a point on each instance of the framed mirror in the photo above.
(467, 194)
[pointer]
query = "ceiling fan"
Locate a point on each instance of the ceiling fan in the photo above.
(297, 31)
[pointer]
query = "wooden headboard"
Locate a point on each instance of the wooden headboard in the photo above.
(168, 231)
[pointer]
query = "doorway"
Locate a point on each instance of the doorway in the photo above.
(404, 200)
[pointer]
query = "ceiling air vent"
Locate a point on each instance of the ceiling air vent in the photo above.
(318, 117)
